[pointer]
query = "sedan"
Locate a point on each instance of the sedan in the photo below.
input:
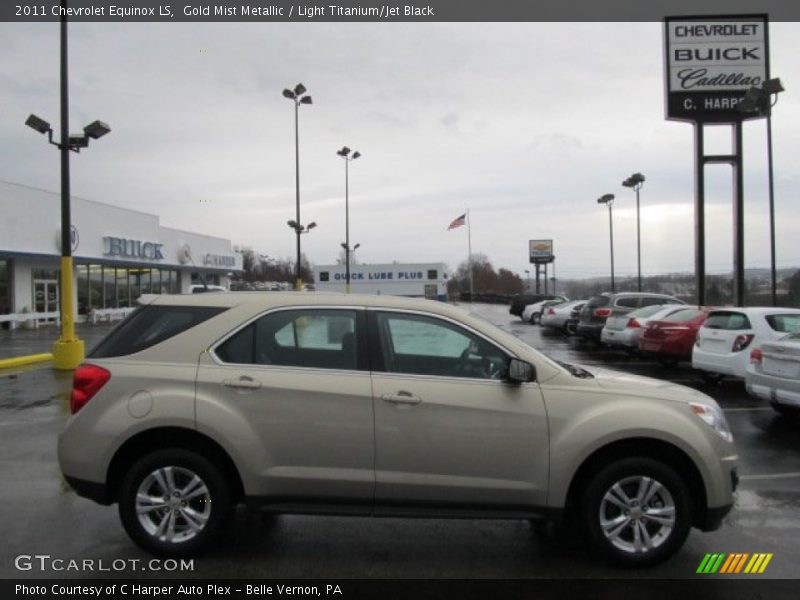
(533, 312)
(774, 374)
(559, 317)
(624, 330)
(671, 338)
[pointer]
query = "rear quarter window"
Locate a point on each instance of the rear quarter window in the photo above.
(597, 301)
(687, 314)
(728, 320)
(151, 325)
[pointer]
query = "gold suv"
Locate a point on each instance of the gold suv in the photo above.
(385, 406)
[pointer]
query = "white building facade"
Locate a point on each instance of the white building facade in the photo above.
(119, 254)
(421, 280)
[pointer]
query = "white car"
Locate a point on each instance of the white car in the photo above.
(533, 312)
(623, 331)
(724, 341)
(774, 374)
(558, 315)
(202, 289)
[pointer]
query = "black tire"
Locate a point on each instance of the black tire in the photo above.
(711, 378)
(196, 519)
(619, 547)
(666, 361)
(790, 412)
(535, 318)
(570, 328)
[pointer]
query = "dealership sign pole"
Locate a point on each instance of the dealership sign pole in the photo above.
(711, 62)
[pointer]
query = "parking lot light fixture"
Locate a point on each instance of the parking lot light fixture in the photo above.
(297, 97)
(345, 154)
(635, 182)
(759, 100)
(608, 200)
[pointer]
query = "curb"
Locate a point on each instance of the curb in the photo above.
(21, 361)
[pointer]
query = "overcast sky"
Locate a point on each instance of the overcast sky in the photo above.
(525, 125)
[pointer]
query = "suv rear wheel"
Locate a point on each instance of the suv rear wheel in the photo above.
(637, 512)
(173, 502)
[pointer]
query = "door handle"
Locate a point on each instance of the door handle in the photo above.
(401, 397)
(244, 382)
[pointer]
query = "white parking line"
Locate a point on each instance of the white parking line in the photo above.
(772, 476)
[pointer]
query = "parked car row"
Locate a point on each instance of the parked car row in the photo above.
(758, 344)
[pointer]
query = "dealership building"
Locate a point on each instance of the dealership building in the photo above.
(420, 280)
(119, 254)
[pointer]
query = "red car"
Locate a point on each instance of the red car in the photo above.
(671, 339)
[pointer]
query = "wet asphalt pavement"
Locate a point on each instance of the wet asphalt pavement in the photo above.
(39, 514)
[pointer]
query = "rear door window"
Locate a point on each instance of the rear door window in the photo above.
(312, 338)
(727, 320)
(150, 325)
(628, 301)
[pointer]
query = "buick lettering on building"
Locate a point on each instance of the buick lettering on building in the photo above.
(114, 246)
(711, 63)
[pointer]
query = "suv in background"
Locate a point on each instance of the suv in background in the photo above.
(595, 312)
(378, 405)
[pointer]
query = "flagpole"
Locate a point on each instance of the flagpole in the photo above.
(469, 257)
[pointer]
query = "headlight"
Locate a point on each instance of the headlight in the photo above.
(714, 418)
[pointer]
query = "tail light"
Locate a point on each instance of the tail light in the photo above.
(756, 355)
(602, 312)
(742, 341)
(633, 323)
(551, 311)
(86, 382)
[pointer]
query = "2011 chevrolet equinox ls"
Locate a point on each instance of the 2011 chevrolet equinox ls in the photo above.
(384, 406)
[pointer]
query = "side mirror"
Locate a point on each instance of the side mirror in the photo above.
(520, 371)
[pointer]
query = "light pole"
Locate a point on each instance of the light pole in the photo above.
(299, 230)
(528, 280)
(608, 200)
(760, 100)
(345, 154)
(297, 97)
(68, 351)
(635, 182)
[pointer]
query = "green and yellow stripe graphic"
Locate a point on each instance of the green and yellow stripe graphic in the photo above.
(734, 563)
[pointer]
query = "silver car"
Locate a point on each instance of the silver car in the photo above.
(385, 406)
(774, 374)
(624, 331)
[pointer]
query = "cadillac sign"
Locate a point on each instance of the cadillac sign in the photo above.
(711, 63)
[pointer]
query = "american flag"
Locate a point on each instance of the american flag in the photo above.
(460, 221)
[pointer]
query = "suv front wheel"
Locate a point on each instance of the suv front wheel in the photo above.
(637, 512)
(172, 502)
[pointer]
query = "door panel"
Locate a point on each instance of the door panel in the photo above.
(305, 434)
(464, 441)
